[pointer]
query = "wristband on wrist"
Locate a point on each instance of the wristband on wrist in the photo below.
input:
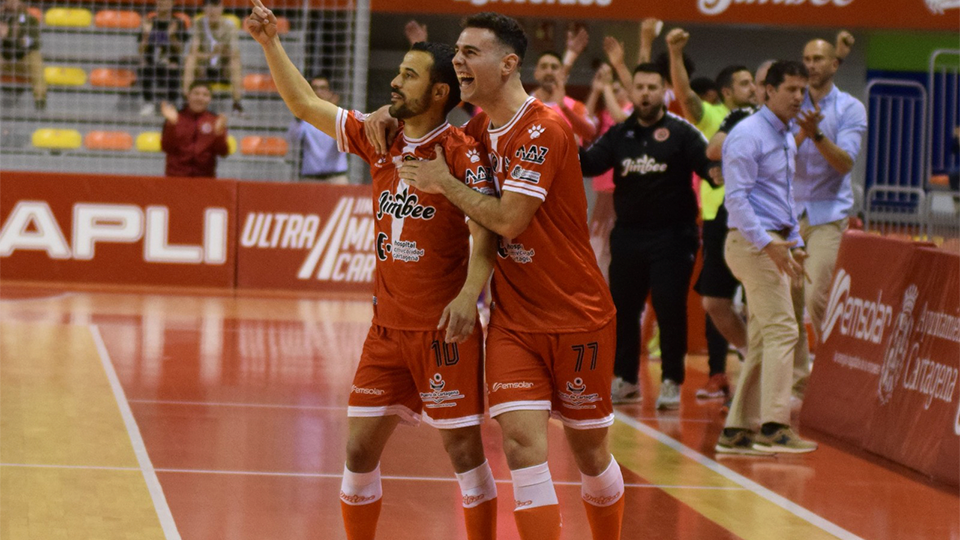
(818, 136)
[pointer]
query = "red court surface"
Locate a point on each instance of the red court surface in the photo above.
(240, 404)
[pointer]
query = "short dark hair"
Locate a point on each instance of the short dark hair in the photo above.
(204, 84)
(213, 2)
(649, 67)
(320, 75)
(442, 70)
(781, 69)
(554, 54)
(507, 30)
(663, 60)
(702, 85)
(725, 77)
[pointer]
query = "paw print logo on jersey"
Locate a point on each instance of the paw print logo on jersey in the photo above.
(473, 156)
(535, 131)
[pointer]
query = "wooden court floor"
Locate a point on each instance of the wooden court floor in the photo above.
(139, 415)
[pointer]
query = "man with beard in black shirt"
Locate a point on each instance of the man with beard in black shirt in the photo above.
(654, 242)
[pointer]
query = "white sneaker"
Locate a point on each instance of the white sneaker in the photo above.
(623, 392)
(669, 398)
(148, 109)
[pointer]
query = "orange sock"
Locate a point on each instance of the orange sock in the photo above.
(360, 521)
(540, 523)
(360, 502)
(482, 520)
(479, 492)
(603, 500)
(605, 521)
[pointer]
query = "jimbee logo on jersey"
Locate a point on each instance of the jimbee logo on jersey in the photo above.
(534, 154)
(576, 396)
(438, 397)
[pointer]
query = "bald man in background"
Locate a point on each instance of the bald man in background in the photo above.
(829, 136)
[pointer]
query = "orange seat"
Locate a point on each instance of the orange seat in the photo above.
(13, 79)
(112, 78)
(283, 25)
(108, 140)
(114, 18)
(259, 82)
(35, 12)
(264, 146)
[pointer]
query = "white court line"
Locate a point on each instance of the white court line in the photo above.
(739, 479)
(235, 404)
(139, 448)
(338, 475)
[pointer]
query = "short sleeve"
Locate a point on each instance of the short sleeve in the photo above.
(468, 161)
(535, 157)
(350, 135)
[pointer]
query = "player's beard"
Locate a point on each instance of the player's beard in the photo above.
(650, 112)
(410, 107)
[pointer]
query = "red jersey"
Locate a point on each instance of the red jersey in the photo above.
(422, 240)
(546, 279)
(191, 144)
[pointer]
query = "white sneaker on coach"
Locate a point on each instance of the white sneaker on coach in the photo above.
(623, 392)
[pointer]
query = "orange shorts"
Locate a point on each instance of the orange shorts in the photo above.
(409, 373)
(567, 374)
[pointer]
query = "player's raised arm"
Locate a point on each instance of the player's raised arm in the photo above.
(294, 89)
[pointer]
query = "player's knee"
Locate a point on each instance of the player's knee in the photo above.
(524, 450)
(465, 450)
(362, 455)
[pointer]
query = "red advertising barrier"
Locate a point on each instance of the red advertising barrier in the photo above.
(305, 237)
(885, 377)
(117, 229)
(899, 14)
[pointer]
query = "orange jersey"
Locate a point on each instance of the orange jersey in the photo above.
(546, 279)
(422, 240)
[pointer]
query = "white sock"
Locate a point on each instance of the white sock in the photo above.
(360, 488)
(605, 489)
(477, 485)
(533, 487)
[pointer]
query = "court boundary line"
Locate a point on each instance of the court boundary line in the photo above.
(737, 478)
(338, 475)
(167, 522)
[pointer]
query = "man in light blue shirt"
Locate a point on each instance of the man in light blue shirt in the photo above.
(763, 250)
(829, 136)
(320, 159)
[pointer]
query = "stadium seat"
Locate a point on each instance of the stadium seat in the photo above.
(112, 78)
(75, 17)
(56, 138)
(219, 87)
(64, 76)
(13, 79)
(232, 144)
(108, 140)
(148, 141)
(259, 82)
(114, 18)
(263, 146)
(35, 11)
(283, 25)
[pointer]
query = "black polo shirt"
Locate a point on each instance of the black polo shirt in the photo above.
(652, 170)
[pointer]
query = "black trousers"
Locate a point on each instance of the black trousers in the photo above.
(660, 263)
(161, 82)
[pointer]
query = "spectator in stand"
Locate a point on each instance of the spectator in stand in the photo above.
(20, 49)
(214, 54)
(617, 107)
(552, 92)
(320, 159)
(648, 32)
(193, 137)
(161, 46)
